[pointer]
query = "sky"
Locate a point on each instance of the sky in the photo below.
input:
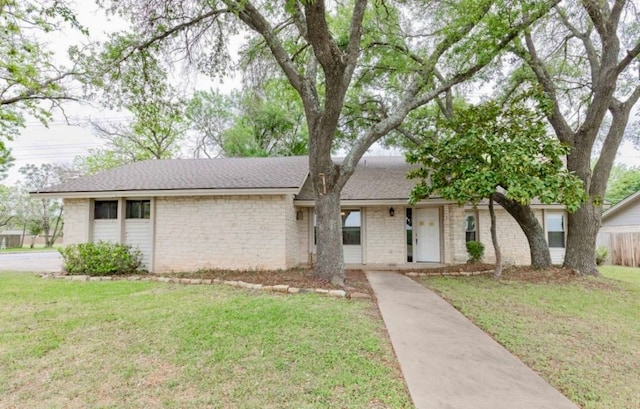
(61, 142)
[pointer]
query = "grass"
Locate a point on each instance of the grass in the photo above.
(628, 274)
(140, 344)
(39, 248)
(583, 336)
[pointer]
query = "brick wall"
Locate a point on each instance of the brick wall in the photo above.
(385, 236)
(455, 250)
(76, 220)
(234, 232)
(513, 243)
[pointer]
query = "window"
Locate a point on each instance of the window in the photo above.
(138, 209)
(350, 227)
(409, 230)
(470, 228)
(105, 209)
(555, 230)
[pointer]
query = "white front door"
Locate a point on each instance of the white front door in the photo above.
(426, 235)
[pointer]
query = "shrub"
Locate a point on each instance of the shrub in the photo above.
(601, 255)
(475, 249)
(101, 259)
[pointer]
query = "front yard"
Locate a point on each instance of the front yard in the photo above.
(128, 344)
(581, 334)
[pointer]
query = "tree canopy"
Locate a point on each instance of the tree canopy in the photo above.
(32, 82)
(356, 63)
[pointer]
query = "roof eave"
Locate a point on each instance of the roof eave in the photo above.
(620, 205)
(165, 193)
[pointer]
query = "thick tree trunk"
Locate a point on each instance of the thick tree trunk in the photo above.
(538, 246)
(329, 256)
(494, 240)
(581, 239)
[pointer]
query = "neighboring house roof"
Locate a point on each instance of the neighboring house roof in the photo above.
(623, 204)
(192, 174)
(375, 178)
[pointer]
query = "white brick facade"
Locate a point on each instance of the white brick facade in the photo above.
(234, 232)
(77, 218)
(512, 240)
(271, 232)
(385, 237)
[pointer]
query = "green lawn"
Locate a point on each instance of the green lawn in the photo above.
(139, 344)
(629, 274)
(583, 337)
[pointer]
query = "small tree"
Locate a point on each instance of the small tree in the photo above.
(489, 150)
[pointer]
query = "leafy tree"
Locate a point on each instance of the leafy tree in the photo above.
(31, 82)
(624, 181)
(498, 153)
(370, 57)
(47, 213)
(265, 122)
(8, 205)
(584, 55)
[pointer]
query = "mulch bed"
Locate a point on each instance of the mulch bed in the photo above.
(355, 280)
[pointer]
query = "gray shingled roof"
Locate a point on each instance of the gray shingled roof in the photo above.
(375, 178)
(186, 174)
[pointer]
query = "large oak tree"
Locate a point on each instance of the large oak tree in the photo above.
(387, 57)
(584, 56)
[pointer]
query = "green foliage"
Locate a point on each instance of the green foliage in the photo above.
(486, 148)
(265, 122)
(601, 255)
(623, 181)
(101, 259)
(28, 71)
(475, 249)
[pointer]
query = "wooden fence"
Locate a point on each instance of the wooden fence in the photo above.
(624, 248)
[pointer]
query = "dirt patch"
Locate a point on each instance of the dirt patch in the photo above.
(355, 280)
(555, 275)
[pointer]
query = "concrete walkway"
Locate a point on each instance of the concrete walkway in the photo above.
(448, 362)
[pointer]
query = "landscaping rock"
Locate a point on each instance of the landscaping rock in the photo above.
(79, 278)
(195, 281)
(255, 286)
(337, 293)
(134, 278)
(360, 296)
(412, 274)
(281, 288)
(207, 281)
(233, 283)
(164, 279)
(95, 278)
(267, 287)
(321, 291)
(293, 290)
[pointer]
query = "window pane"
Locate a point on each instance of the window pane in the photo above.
(138, 209)
(350, 227)
(105, 209)
(555, 222)
(556, 239)
(133, 209)
(146, 209)
(470, 223)
(470, 236)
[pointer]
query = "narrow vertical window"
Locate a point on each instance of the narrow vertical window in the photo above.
(470, 228)
(409, 231)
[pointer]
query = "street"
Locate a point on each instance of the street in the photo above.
(37, 262)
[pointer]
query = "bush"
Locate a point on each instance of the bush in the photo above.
(101, 259)
(601, 255)
(475, 249)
